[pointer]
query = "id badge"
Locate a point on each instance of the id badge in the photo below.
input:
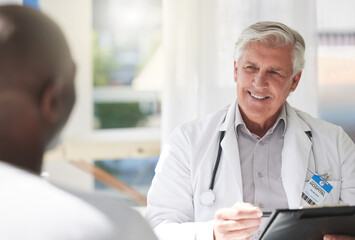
(316, 190)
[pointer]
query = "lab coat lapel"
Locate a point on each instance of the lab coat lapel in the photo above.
(295, 157)
(230, 151)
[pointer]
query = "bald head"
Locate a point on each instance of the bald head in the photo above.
(36, 84)
(31, 41)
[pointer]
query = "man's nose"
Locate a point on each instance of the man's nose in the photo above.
(260, 80)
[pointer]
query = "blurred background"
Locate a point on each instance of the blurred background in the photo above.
(147, 66)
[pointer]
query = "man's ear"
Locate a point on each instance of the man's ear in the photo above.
(235, 71)
(295, 81)
(50, 103)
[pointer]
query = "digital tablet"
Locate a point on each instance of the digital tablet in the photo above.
(310, 223)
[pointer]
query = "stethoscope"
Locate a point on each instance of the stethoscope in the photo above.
(208, 198)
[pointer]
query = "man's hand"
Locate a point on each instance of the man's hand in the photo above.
(337, 237)
(237, 222)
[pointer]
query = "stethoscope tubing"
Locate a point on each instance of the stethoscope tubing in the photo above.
(217, 161)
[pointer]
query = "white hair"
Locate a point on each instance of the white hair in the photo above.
(273, 34)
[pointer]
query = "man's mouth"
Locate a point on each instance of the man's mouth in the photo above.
(258, 97)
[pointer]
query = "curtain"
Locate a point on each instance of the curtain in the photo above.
(198, 43)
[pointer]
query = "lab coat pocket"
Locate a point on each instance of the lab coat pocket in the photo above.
(334, 195)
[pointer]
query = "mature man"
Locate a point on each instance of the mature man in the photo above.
(36, 98)
(266, 150)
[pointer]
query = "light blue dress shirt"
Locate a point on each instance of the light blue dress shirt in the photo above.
(260, 160)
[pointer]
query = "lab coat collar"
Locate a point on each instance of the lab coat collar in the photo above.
(295, 156)
(231, 116)
(228, 122)
(282, 117)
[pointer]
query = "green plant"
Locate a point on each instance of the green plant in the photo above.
(118, 115)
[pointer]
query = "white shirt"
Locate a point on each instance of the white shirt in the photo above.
(32, 209)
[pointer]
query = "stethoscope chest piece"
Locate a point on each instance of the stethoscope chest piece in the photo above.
(207, 198)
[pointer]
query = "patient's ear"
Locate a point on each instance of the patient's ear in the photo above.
(50, 103)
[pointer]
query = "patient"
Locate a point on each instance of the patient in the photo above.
(36, 97)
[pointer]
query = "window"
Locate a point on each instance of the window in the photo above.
(136, 172)
(126, 63)
(336, 61)
(127, 77)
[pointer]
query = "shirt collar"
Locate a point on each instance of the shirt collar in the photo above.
(282, 116)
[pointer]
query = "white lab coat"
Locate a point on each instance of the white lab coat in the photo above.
(185, 168)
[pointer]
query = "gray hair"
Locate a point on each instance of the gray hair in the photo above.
(273, 34)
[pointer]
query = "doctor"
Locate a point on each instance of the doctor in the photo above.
(216, 175)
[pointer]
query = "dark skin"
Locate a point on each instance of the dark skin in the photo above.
(36, 85)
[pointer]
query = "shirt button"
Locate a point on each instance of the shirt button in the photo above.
(261, 205)
(261, 143)
(260, 175)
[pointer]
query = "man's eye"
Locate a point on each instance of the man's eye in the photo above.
(250, 67)
(275, 73)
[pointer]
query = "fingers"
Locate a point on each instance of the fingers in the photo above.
(237, 214)
(231, 225)
(239, 211)
(236, 234)
(238, 222)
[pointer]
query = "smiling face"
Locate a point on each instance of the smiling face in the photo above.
(264, 79)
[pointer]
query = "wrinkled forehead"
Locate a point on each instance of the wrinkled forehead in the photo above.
(259, 54)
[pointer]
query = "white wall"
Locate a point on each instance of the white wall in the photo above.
(336, 16)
